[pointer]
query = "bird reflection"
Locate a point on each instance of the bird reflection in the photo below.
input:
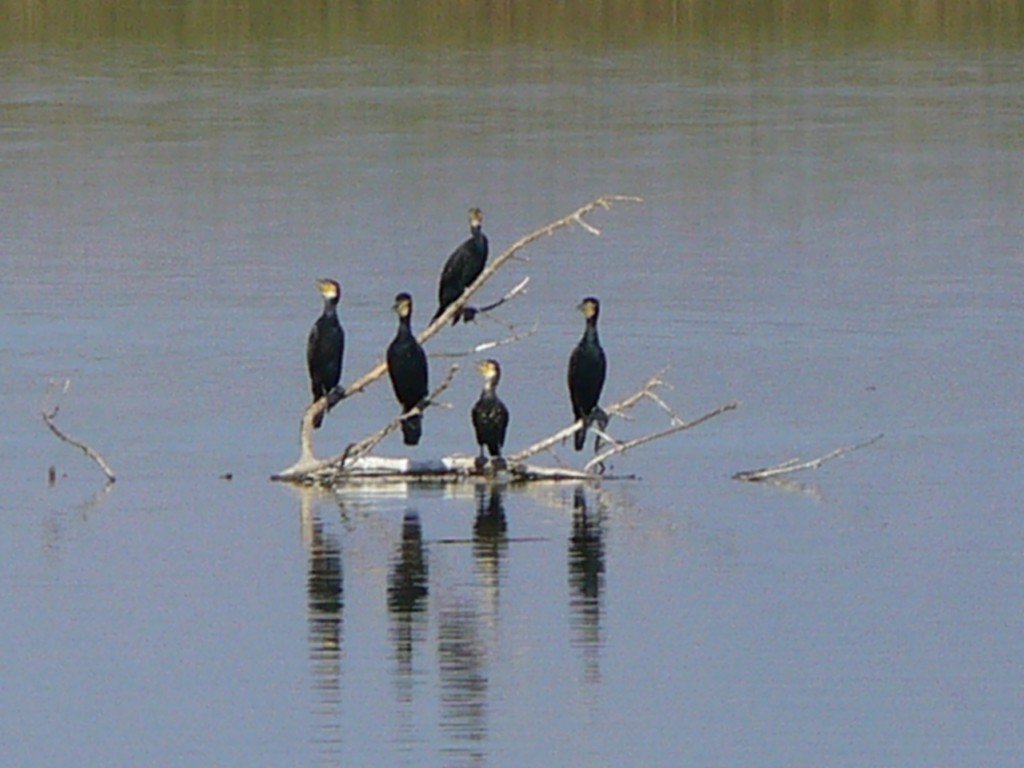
(462, 658)
(407, 592)
(325, 600)
(325, 594)
(490, 535)
(586, 580)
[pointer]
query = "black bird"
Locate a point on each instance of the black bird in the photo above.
(407, 367)
(326, 346)
(490, 416)
(587, 368)
(462, 268)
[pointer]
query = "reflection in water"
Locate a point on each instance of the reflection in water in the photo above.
(407, 593)
(55, 525)
(407, 607)
(325, 595)
(461, 649)
(490, 544)
(462, 659)
(586, 580)
(224, 24)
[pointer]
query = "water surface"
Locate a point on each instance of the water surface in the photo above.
(830, 234)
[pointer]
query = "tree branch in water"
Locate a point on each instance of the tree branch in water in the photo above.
(48, 419)
(796, 464)
(307, 457)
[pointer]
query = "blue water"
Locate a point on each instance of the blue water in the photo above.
(831, 238)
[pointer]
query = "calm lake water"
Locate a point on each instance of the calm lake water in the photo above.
(831, 234)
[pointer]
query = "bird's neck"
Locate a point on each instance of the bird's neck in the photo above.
(478, 236)
(405, 324)
(330, 307)
(590, 334)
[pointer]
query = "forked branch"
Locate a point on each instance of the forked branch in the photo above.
(444, 319)
(306, 454)
(368, 443)
(308, 465)
(617, 409)
(618, 448)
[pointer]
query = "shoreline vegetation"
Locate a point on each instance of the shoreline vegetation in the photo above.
(327, 27)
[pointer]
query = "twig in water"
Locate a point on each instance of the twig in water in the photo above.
(48, 419)
(795, 465)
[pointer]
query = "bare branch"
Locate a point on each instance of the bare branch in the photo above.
(795, 465)
(519, 288)
(48, 419)
(576, 217)
(629, 444)
(306, 454)
(445, 317)
(367, 444)
(484, 346)
(618, 409)
(309, 465)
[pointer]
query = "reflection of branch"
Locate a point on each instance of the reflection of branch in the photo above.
(49, 416)
(306, 455)
(794, 465)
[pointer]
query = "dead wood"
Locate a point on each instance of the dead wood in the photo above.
(48, 419)
(797, 464)
(307, 458)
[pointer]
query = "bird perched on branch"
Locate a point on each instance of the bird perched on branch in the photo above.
(587, 367)
(462, 268)
(325, 347)
(490, 416)
(407, 368)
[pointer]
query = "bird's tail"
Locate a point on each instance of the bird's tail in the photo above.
(581, 435)
(319, 419)
(412, 429)
(462, 315)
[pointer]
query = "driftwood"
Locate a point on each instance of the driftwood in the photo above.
(308, 467)
(355, 464)
(797, 464)
(48, 419)
(307, 457)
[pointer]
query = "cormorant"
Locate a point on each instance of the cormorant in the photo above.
(490, 416)
(407, 367)
(325, 346)
(462, 268)
(587, 367)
